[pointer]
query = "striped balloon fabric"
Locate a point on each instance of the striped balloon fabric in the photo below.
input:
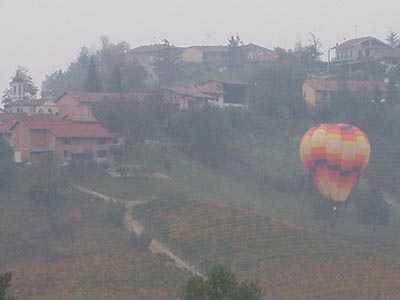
(335, 155)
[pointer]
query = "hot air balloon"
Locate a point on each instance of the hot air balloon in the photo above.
(335, 155)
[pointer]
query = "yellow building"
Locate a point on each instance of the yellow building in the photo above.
(208, 55)
(321, 91)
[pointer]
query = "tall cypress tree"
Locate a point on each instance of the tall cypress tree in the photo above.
(93, 81)
(115, 81)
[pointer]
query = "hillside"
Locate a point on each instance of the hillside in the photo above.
(240, 186)
(74, 248)
(289, 262)
(253, 215)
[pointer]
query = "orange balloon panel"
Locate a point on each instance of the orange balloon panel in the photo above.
(335, 155)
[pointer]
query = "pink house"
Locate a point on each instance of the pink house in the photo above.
(60, 139)
(77, 106)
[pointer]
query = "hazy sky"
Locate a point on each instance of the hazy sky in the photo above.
(45, 35)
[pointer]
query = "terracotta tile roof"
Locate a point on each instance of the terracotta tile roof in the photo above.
(80, 118)
(252, 45)
(210, 48)
(6, 121)
(190, 91)
(69, 129)
(150, 49)
(84, 97)
(7, 117)
(354, 42)
(231, 82)
(336, 85)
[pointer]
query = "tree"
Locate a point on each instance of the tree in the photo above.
(93, 81)
(392, 92)
(46, 182)
(277, 90)
(168, 64)
(54, 85)
(314, 47)
(5, 280)
(30, 89)
(236, 55)
(221, 284)
(131, 118)
(204, 132)
(110, 60)
(308, 55)
(73, 79)
(115, 81)
(393, 39)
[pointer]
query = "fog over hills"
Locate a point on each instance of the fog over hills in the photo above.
(45, 35)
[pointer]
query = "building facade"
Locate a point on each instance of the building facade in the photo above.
(61, 140)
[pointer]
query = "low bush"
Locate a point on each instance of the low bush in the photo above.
(115, 214)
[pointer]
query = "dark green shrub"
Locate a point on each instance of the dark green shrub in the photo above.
(115, 214)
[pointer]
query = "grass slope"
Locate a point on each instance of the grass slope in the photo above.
(193, 182)
(69, 249)
(112, 275)
(289, 262)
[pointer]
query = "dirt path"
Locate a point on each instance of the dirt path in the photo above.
(392, 200)
(132, 225)
(156, 246)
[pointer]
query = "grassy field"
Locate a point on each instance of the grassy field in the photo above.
(105, 275)
(193, 182)
(72, 249)
(289, 262)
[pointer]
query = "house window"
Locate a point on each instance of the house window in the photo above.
(101, 153)
(49, 110)
(67, 141)
(366, 52)
(101, 141)
(66, 154)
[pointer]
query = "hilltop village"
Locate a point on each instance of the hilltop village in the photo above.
(62, 125)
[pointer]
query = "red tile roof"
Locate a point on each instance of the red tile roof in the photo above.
(150, 48)
(336, 85)
(69, 129)
(355, 42)
(90, 97)
(221, 48)
(6, 121)
(84, 97)
(190, 91)
(232, 82)
(4, 127)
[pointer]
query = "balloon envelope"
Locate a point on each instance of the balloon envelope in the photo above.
(335, 155)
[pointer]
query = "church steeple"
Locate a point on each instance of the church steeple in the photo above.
(17, 87)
